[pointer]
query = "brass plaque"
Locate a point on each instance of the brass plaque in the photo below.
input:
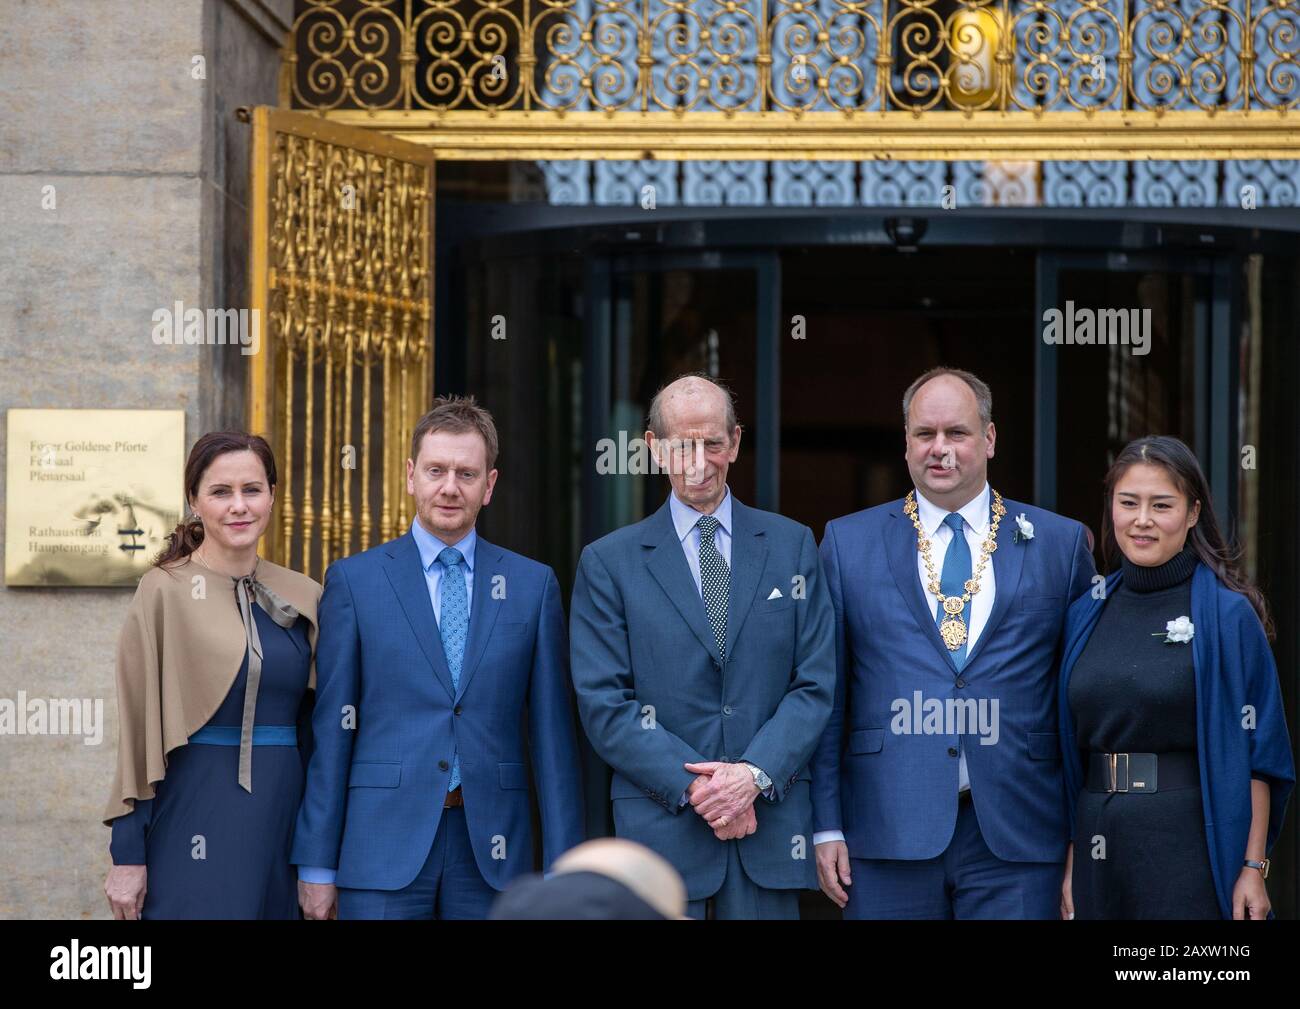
(91, 494)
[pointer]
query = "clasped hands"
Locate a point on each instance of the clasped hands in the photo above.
(724, 795)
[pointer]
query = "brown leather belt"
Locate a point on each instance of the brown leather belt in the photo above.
(454, 799)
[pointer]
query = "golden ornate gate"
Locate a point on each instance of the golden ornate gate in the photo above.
(341, 276)
(806, 79)
(346, 292)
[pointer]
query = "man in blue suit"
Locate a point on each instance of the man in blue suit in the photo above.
(937, 787)
(703, 656)
(435, 651)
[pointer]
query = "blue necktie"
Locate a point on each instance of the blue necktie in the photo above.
(454, 627)
(956, 573)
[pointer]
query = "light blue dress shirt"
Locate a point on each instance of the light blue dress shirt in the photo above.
(430, 547)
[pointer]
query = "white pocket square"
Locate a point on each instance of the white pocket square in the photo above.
(776, 594)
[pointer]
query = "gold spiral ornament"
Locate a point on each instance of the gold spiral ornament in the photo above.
(340, 269)
(744, 56)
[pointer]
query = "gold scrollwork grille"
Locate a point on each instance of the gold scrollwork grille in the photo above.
(341, 277)
(910, 56)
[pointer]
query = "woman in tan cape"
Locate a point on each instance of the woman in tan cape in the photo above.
(214, 666)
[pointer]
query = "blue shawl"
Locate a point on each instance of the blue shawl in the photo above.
(1236, 677)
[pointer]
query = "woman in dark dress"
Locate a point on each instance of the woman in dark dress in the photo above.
(214, 668)
(1155, 678)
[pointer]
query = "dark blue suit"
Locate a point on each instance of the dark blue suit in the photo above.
(895, 795)
(654, 693)
(374, 796)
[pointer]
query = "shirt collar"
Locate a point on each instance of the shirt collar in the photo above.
(975, 512)
(430, 546)
(685, 517)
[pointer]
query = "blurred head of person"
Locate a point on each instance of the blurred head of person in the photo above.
(609, 879)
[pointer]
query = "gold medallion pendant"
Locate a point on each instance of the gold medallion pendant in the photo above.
(953, 631)
(953, 628)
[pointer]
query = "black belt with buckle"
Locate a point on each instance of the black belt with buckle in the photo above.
(1142, 772)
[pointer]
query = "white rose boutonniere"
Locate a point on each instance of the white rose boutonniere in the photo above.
(1024, 529)
(1178, 631)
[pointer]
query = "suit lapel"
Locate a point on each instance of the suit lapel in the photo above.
(1008, 562)
(901, 547)
(748, 556)
(667, 563)
(402, 566)
(489, 562)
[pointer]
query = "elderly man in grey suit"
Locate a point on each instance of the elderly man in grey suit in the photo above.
(702, 643)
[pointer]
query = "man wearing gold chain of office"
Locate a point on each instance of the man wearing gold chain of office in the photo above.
(948, 602)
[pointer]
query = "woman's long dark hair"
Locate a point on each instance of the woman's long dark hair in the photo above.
(187, 536)
(1205, 538)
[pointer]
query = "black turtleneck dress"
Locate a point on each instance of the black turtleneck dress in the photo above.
(1132, 692)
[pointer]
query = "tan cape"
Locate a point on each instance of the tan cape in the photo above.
(178, 655)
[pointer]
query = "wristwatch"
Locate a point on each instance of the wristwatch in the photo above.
(761, 780)
(1261, 866)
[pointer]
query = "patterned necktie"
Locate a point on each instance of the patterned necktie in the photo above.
(454, 627)
(956, 573)
(715, 581)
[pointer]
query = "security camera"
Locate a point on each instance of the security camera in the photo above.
(905, 232)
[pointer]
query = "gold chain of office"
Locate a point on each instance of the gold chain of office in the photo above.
(953, 627)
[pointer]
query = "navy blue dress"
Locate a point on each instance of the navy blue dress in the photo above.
(199, 809)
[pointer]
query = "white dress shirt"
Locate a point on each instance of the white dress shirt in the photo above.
(977, 519)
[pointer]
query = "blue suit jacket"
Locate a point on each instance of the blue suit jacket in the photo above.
(374, 794)
(895, 795)
(1235, 675)
(654, 694)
